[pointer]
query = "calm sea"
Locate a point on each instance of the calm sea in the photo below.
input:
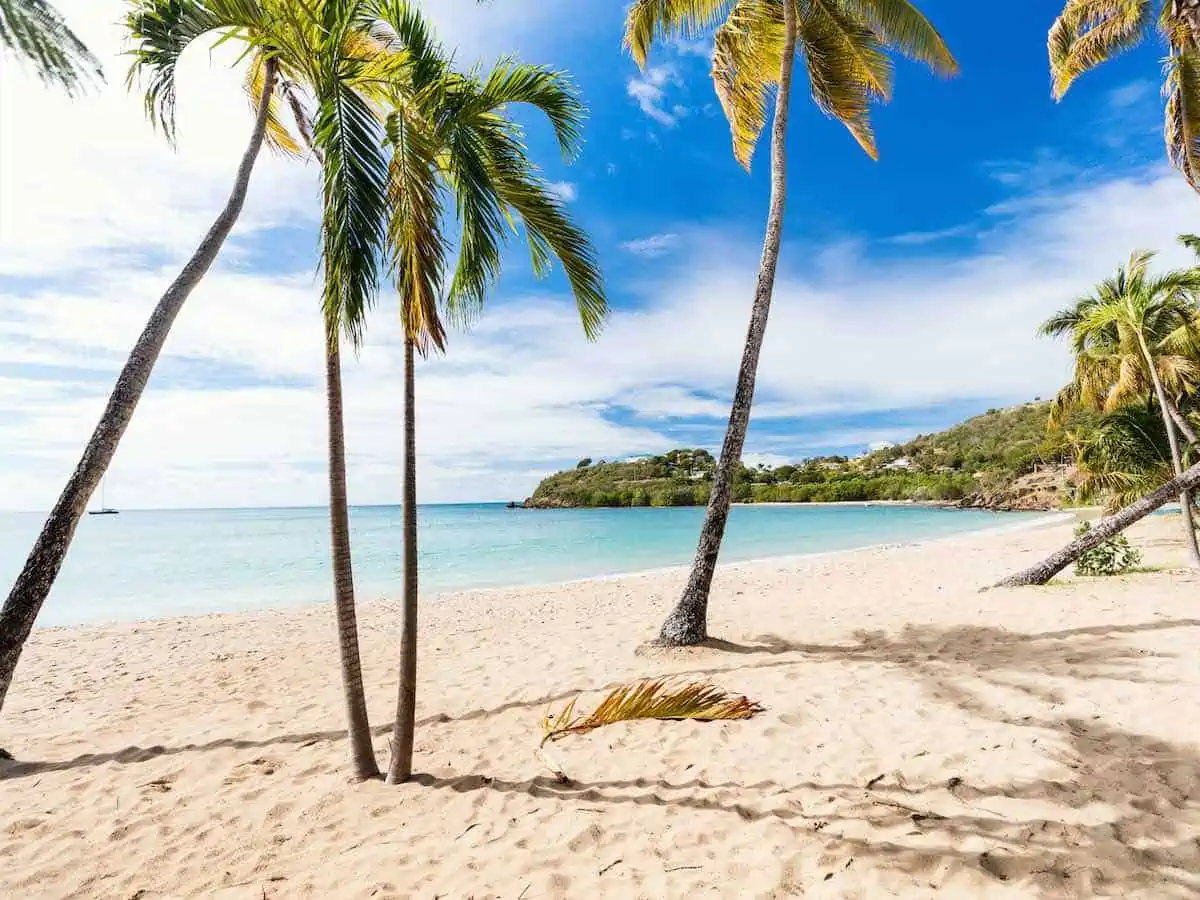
(153, 564)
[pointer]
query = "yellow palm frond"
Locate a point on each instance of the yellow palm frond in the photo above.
(746, 53)
(1182, 131)
(278, 137)
(1089, 32)
(650, 20)
(848, 67)
(657, 698)
(417, 246)
(905, 29)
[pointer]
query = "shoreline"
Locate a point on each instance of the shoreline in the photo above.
(1043, 521)
(902, 710)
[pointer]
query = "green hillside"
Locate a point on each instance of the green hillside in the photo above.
(979, 461)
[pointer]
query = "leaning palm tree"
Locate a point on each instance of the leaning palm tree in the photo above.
(453, 139)
(318, 55)
(37, 33)
(1126, 337)
(1090, 32)
(161, 30)
(844, 46)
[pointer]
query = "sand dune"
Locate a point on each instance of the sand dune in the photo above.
(920, 740)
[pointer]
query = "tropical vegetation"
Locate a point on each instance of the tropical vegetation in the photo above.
(1090, 32)
(1115, 556)
(425, 178)
(38, 35)
(453, 136)
(977, 461)
(1137, 335)
(845, 50)
(160, 30)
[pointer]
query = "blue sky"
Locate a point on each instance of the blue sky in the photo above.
(908, 297)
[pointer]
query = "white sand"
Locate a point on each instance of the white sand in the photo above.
(920, 740)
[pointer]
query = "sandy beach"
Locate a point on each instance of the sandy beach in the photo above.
(920, 739)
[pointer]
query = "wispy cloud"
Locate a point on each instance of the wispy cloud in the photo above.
(920, 238)
(1131, 94)
(566, 191)
(649, 90)
(654, 245)
(698, 47)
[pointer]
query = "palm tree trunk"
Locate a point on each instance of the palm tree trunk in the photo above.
(362, 754)
(1105, 528)
(400, 767)
(1181, 422)
(1189, 12)
(1185, 497)
(33, 585)
(687, 623)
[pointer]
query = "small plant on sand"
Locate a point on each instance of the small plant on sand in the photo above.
(650, 698)
(1113, 557)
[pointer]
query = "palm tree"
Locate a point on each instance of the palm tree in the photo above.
(1125, 456)
(35, 31)
(327, 54)
(161, 30)
(1089, 32)
(451, 137)
(844, 46)
(1126, 337)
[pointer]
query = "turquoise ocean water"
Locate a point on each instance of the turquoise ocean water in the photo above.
(155, 564)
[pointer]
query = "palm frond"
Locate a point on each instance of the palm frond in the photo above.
(350, 139)
(1191, 241)
(649, 21)
(745, 64)
(549, 91)
(848, 67)
(1089, 32)
(278, 137)
(657, 698)
(1125, 457)
(905, 28)
(161, 30)
(36, 32)
(1182, 128)
(417, 247)
(548, 227)
(483, 225)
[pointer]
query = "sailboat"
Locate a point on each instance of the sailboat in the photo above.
(103, 510)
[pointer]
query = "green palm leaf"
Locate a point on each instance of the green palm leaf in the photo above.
(37, 33)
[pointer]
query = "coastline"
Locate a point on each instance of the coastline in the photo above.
(207, 757)
(441, 596)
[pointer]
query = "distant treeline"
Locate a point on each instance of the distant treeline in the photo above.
(981, 453)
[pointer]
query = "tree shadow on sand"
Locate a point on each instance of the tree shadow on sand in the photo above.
(1121, 817)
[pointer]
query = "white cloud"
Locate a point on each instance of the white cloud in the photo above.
(698, 47)
(1130, 94)
(920, 238)
(98, 212)
(566, 191)
(649, 89)
(654, 245)
(524, 393)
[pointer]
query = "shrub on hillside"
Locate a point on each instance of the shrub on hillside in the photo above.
(1113, 557)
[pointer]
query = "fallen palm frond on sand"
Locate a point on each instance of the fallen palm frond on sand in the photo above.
(650, 698)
